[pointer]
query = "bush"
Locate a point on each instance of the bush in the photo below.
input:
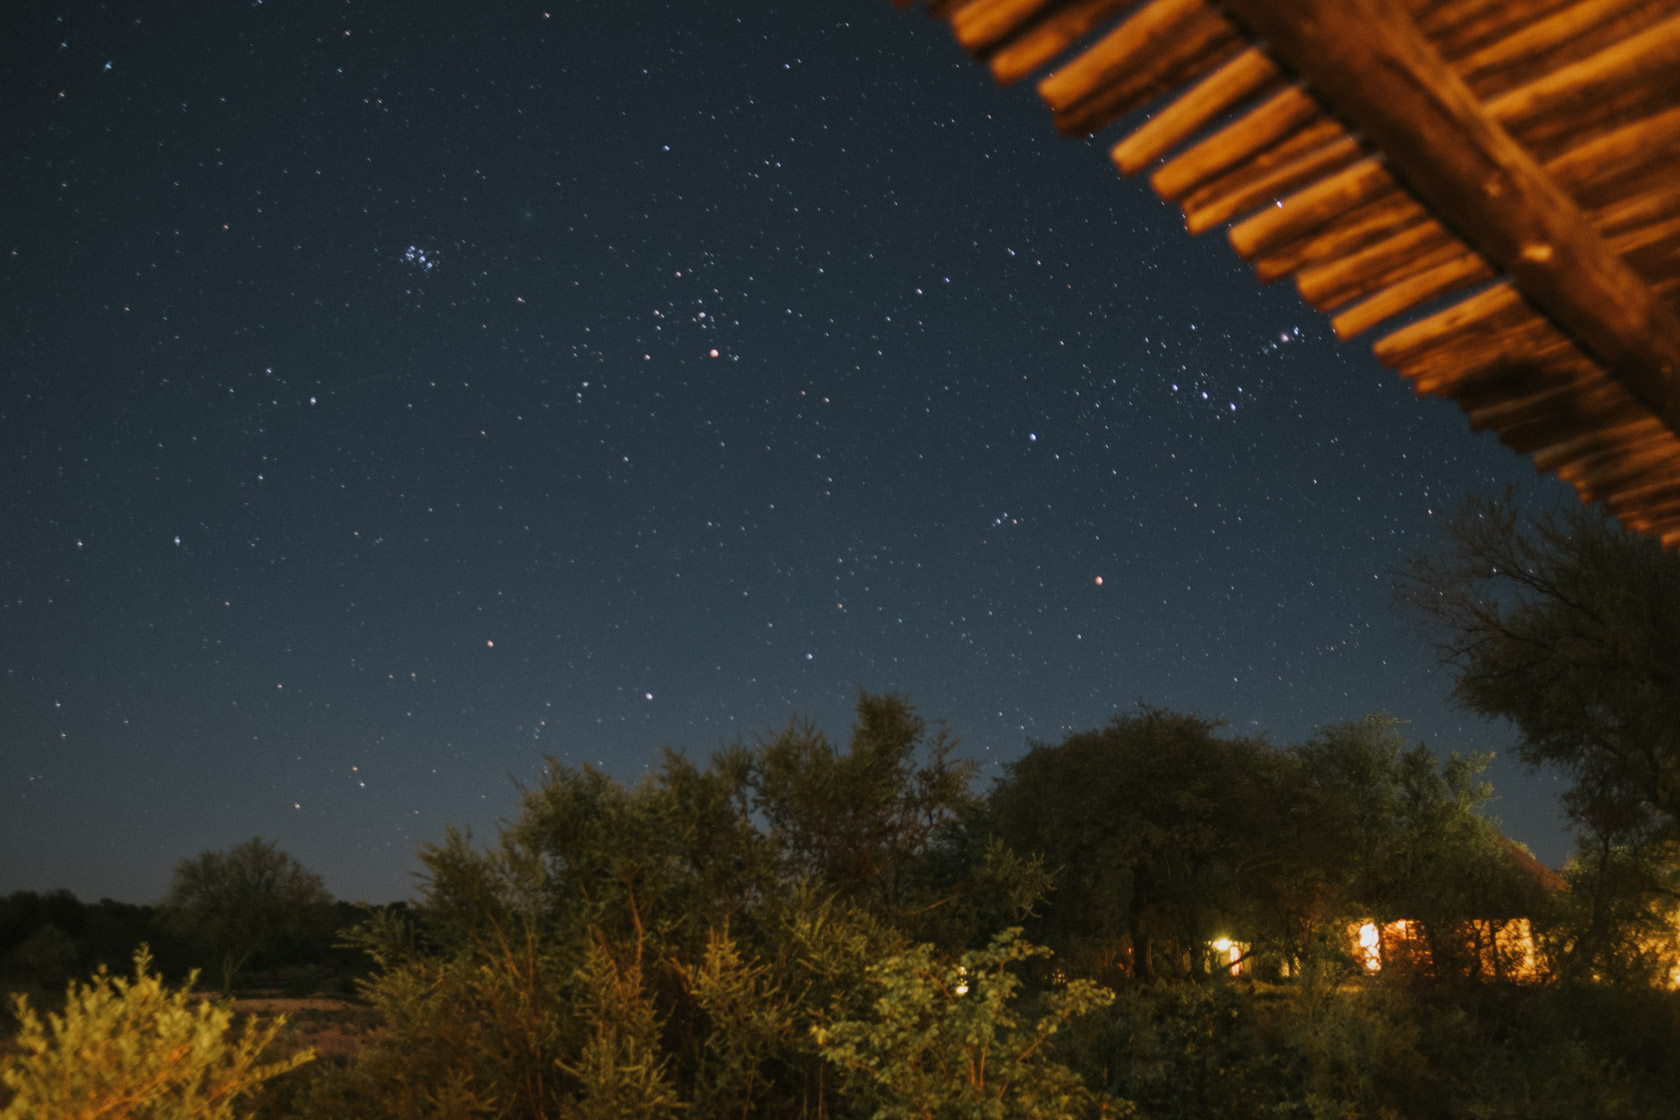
(135, 1048)
(946, 1038)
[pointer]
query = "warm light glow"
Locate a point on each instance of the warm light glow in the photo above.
(1505, 947)
(1370, 947)
(1231, 952)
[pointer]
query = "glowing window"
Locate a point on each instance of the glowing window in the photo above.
(1370, 947)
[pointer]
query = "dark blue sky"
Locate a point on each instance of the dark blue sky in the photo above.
(363, 439)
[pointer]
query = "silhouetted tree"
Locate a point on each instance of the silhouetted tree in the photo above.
(251, 899)
(1569, 628)
(1166, 835)
(1403, 834)
(1157, 828)
(1617, 920)
(855, 819)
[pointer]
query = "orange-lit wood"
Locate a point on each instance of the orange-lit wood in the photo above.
(1390, 151)
(1249, 74)
(1374, 64)
(1162, 44)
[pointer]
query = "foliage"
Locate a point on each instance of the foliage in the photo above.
(945, 1039)
(1192, 1051)
(858, 820)
(247, 901)
(638, 949)
(1159, 827)
(1569, 628)
(789, 929)
(135, 1048)
(474, 998)
(47, 939)
(749, 1018)
(1167, 836)
(1230, 1051)
(47, 954)
(1619, 920)
(1405, 839)
(620, 1071)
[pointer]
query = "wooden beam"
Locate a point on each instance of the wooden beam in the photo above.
(1379, 73)
(1249, 74)
(1157, 47)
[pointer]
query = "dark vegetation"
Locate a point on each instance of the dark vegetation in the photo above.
(48, 939)
(791, 929)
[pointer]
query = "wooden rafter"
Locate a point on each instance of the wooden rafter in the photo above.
(1368, 59)
(1388, 153)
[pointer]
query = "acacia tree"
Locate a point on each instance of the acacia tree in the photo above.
(1161, 830)
(246, 901)
(1166, 835)
(1402, 828)
(1569, 628)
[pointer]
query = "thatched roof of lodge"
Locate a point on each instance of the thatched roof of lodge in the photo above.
(1544, 879)
(1388, 153)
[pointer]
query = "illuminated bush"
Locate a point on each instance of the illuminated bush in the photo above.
(947, 1039)
(136, 1049)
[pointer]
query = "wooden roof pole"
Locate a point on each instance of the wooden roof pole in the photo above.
(1372, 64)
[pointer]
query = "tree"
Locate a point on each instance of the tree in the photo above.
(38, 937)
(1160, 830)
(135, 1048)
(1569, 628)
(857, 820)
(46, 957)
(248, 901)
(1618, 919)
(1168, 836)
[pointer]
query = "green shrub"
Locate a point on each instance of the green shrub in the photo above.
(134, 1048)
(946, 1038)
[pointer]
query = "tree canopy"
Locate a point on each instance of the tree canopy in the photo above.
(1569, 627)
(792, 927)
(1166, 835)
(251, 899)
(636, 950)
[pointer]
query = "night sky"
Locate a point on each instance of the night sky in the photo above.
(396, 394)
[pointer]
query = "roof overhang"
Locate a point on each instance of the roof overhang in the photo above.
(1524, 154)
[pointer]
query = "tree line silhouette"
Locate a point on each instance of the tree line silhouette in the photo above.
(1153, 918)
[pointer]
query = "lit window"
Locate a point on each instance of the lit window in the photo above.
(1370, 947)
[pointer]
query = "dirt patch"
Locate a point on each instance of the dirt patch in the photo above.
(334, 1027)
(292, 1008)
